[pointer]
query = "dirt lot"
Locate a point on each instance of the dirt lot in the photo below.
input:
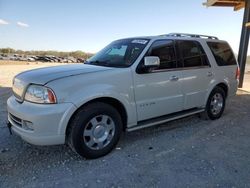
(185, 153)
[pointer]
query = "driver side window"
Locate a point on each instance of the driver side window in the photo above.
(164, 49)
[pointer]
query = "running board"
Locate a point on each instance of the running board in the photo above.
(164, 119)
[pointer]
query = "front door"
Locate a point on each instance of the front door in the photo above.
(159, 92)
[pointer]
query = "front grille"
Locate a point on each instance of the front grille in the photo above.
(15, 120)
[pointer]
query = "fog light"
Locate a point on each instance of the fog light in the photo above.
(27, 125)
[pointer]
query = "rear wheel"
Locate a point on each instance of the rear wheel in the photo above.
(215, 104)
(95, 130)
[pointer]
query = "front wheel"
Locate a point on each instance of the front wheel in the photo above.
(215, 104)
(95, 130)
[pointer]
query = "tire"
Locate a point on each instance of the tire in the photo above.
(94, 130)
(215, 104)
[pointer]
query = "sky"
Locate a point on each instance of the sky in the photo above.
(89, 25)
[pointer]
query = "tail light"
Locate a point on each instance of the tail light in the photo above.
(237, 74)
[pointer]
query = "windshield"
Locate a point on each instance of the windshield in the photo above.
(120, 53)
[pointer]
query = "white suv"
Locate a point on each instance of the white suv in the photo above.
(131, 84)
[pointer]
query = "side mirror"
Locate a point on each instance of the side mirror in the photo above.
(151, 62)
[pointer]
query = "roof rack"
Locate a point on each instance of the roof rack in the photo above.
(191, 35)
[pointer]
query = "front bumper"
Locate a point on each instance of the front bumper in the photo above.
(47, 122)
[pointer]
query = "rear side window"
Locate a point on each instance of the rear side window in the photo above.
(192, 53)
(164, 49)
(222, 53)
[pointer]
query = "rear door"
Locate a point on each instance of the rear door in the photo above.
(197, 73)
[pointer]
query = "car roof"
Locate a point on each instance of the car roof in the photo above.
(182, 36)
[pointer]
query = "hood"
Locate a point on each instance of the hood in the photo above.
(44, 75)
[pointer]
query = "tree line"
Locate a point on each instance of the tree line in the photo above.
(76, 54)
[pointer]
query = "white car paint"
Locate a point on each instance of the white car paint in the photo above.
(143, 96)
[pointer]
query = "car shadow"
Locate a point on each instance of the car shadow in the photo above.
(5, 93)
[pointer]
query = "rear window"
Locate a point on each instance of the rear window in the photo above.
(222, 53)
(192, 53)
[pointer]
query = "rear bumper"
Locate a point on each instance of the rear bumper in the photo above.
(47, 123)
(233, 88)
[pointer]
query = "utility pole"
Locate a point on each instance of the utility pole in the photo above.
(244, 40)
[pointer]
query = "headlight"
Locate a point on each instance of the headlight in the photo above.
(40, 94)
(18, 87)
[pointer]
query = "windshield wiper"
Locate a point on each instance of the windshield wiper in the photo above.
(105, 63)
(97, 62)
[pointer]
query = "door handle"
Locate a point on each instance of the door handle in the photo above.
(174, 78)
(209, 74)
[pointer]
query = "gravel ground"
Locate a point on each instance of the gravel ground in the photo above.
(185, 153)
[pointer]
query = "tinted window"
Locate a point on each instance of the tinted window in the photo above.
(191, 53)
(204, 58)
(222, 53)
(164, 49)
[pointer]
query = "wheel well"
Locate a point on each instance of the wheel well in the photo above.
(224, 87)
(108, 100)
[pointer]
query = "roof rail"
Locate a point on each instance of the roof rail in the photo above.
(191, 35)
